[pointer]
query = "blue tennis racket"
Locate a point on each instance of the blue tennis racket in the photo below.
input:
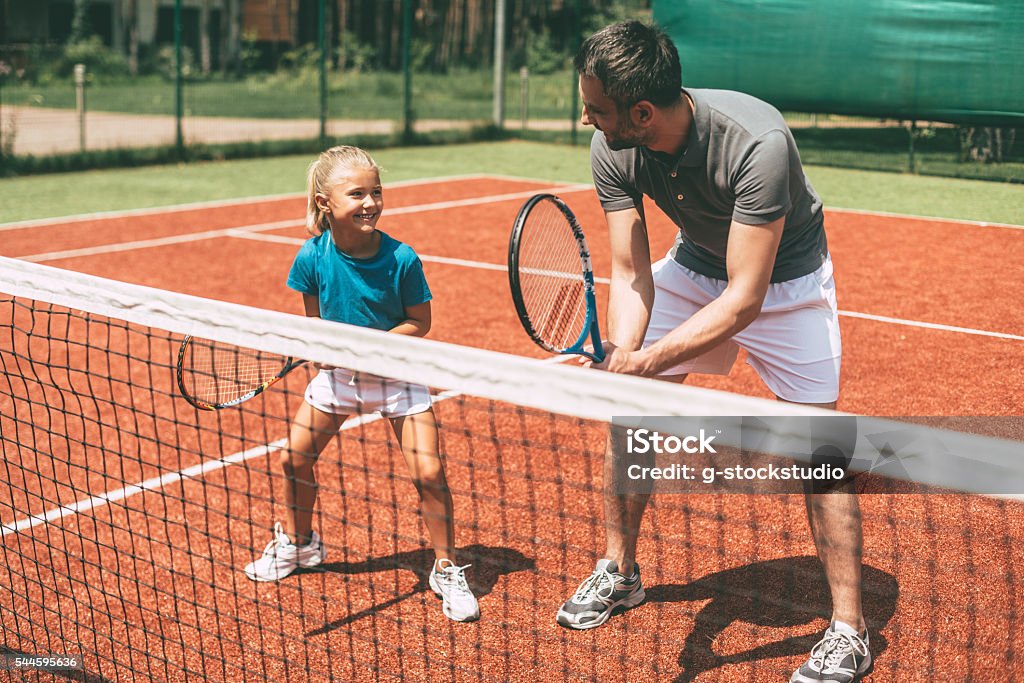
(552, 280)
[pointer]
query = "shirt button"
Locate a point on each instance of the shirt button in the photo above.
(679, 197)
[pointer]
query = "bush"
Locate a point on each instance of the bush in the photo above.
(298, 68)
(100, 61)
(249, 55)
(165, 62)
(353, 55)
(542, 56)
(303, 57)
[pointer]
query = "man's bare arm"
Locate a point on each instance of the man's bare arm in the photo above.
(631, 294)
(749, 263)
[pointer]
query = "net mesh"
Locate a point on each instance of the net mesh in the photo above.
(128, 516)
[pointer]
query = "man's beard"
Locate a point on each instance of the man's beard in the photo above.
(626, 138)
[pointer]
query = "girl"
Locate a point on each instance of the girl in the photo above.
(351, 272)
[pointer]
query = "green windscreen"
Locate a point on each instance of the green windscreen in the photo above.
(961, 62)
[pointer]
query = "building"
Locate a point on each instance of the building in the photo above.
(212, 29)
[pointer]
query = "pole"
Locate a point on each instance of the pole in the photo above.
(499, 64)
(80, 103)
(524, 95)
(406, 69)
(912, 131)
(179, 95)
(3, 149)
(322, 43)
(576, 29)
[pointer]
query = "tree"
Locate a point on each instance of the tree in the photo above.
(204, 36)
(80, 27)
(131, 20)
(231, 36)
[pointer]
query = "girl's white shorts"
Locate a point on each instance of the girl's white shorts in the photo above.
(345, 392)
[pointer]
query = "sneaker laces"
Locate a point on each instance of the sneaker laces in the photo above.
(830, 652)
(276, 541)
(600, 585)
(454, 575)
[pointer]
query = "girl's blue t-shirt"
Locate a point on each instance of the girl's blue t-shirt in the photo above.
(372, 292)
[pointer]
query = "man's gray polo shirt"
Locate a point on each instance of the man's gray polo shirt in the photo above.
(741, 163)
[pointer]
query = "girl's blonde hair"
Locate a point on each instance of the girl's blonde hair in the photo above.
(323, 174)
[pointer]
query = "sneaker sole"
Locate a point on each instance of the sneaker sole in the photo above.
(566, 619)
(856, 677)
(268, 579)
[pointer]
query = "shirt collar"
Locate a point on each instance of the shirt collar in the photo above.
(696, 151)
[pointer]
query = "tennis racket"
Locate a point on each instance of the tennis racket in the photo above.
(551, 278)
(213, 375)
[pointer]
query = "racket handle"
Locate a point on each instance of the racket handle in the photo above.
(598, 354)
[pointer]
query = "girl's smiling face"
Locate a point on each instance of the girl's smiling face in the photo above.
(355, 201)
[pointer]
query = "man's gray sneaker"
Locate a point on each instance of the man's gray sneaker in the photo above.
(841, 656)
(599, 595)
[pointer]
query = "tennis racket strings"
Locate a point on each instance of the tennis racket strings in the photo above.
(551, 279)
(216, 373)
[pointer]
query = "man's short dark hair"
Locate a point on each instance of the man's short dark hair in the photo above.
(634, 61)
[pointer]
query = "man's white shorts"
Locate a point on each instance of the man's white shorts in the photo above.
(793, 344)
(344, 392)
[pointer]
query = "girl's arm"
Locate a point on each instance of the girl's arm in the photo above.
(311, 303)
(417, 321)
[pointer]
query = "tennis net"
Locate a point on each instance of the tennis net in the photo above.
(128, 517)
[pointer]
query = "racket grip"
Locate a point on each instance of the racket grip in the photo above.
(598, 353)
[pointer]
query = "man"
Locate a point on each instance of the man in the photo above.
(750, 269)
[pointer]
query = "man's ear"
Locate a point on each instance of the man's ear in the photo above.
(641, 114)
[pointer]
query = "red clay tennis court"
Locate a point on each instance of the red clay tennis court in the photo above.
(148, 584)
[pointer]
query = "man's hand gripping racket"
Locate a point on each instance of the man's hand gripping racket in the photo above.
(552, 280)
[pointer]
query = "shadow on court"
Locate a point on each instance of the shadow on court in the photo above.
(489, 564)
(781, 593)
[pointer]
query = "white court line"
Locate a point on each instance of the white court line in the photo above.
(147, 485)
(931, 326)
(210, 204)
(131, 213)
(218, 203)
(224, 232)
(239, 201)
(930, 219)
(194, 472)
(839, 209)
(481, 265)
(155, 242)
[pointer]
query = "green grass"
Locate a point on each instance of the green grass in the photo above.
(64, 194)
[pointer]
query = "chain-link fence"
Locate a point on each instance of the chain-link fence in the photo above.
(100, 82)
